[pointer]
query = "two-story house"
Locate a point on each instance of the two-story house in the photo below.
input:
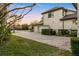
(58, 18)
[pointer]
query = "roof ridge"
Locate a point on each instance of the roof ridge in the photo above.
(56, 8)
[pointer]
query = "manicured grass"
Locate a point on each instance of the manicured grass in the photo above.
(19, 46)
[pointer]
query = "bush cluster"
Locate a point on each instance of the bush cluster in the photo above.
(75, 46)
(73, 33)
(48, 32)
(63, 32)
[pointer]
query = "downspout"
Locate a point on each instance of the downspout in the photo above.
(63, 20)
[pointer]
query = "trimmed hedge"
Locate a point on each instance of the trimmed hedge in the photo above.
(75, 46)
(53, 32)
(48, 32)
(62, 32)
(73, 33)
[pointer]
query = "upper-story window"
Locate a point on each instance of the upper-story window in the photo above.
(50, 15)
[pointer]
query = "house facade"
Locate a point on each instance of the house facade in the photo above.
(58, 18)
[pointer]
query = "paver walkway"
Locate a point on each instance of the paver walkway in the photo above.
(60, 42)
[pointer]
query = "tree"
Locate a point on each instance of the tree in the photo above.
(8, 16)
(25, 26)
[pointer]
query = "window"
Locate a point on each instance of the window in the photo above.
(50, 15)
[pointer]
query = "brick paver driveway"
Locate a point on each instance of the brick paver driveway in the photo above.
(60, 42)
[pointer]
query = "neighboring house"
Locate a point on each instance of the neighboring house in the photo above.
(38, 26)
(58, 18)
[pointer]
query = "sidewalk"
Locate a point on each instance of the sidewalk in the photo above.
(60, 42)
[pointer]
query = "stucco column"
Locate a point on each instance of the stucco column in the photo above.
(78, 19)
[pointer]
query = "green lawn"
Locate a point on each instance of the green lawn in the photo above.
(19, 46)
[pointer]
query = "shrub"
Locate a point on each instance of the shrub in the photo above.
(5, 35)
(73, 33)
(48, 32)
(24, 27)
(63, 32)
(53, 32)
(75, 46)
(31, 30)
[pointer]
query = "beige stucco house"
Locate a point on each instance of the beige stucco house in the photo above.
(57, 18)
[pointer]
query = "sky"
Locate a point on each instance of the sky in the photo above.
(35, 14)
